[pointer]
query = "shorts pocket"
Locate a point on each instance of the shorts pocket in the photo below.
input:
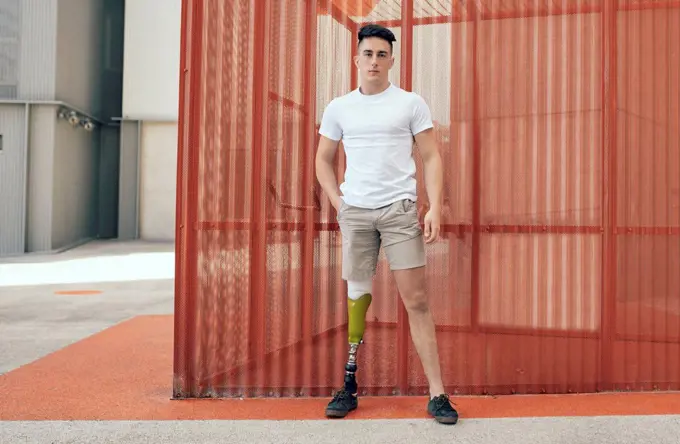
(408, 206)
(343, 207)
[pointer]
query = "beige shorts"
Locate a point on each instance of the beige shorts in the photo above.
(394, 227)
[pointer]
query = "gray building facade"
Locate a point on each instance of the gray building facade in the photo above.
(61, 71)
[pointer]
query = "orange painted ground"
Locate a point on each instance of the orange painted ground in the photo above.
(78, 292)
(125, 373)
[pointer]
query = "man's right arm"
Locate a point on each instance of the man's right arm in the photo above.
(325, 173)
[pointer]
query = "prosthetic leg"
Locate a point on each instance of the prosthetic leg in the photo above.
(356, 312)
(358, 301)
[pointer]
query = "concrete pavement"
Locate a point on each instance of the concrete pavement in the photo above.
(133, 278)
(588, 430)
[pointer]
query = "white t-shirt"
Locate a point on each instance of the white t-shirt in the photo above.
(377, 134)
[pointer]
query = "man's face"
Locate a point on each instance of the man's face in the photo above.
(374, 60)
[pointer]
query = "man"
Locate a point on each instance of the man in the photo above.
(377, 124)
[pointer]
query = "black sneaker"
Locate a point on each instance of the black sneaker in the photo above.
(440, 407)
(342, 403)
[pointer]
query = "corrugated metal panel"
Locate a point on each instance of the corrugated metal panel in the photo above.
(12, 179)
(37, 59)
(128, 204)
(10, 31)
(389, 12)
(646, 348)
(76, 167)
(557, 267)
(157, 188)
(41, 177)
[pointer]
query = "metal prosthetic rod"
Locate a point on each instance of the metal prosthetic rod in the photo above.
(356, 311)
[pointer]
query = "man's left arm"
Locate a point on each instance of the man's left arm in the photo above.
(434, 181)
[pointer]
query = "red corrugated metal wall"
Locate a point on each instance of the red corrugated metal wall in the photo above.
(558, 269)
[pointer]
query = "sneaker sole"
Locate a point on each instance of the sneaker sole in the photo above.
(337, 413)
(446, 420)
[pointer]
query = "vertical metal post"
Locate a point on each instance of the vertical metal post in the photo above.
(609, 166)
(309, 123)
(27, 173)
(189, 136)
(353, 84)
(258, 210)
(476, 170)
(353, 73)
(406, 75)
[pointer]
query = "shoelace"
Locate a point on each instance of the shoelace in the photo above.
(342, 395)
(442, 401)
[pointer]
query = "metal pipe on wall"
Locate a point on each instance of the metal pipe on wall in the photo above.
(138, 174)
(24, 212)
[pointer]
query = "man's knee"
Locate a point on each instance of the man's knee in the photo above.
(416, 301)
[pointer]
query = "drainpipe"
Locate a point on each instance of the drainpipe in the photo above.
(24, 213)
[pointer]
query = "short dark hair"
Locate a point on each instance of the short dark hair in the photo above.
(372, 30)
